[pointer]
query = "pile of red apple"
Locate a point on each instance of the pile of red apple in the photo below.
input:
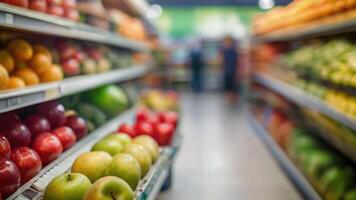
(159, 125)
(76, 59)
(32, 141)
(62, 8)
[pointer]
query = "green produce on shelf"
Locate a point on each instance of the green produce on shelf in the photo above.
(91, 113)
(111, 99)
(336, 181)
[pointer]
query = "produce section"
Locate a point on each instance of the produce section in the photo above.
(302, 94)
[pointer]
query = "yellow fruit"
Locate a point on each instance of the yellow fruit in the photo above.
(15, 82)
(21, 50)
(4, 77)
(7, 61)
(40, 63)
(28, 75)
(42, 49)
(53, 73)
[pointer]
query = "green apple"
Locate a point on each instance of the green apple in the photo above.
(141, 154)
(92, 164)
(70, 186)
(126, 167)
(121, 137)
(150, 144)
(319, 161)
(110, 146)
(109, 188)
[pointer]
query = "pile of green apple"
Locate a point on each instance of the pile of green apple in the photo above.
(333, 175)
(333, 61)
(112, 170)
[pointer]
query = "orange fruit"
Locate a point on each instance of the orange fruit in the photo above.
(21, 50)
(42, 49)
(4, 77)
(53, 73)
(20, 65)
(28, 75)
(15, 82)
(40, 63)
(7, 61)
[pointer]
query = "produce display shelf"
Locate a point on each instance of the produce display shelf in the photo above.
(16, 18)
(297, 177)
(12, 100)
(148, 187)
(304, 99)
(309, 32)
(152, 183)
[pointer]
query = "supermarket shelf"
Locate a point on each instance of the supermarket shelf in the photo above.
(309, 32)
(12, 17)
(302, 184)
(149, 185)
(302, 98)
(12, 100)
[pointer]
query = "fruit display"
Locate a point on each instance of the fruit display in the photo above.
(34, 137)
(60, 8)
(329, 173)
(303, 14)
(159, 125)
(114, 167)
(160, 101)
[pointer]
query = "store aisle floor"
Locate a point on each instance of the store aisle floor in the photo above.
(221, 158)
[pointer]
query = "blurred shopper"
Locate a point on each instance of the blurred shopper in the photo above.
(229, 63)
(196, 65)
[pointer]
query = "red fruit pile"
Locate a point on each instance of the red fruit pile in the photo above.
(161, 126)
(62, 8)
(33, 141)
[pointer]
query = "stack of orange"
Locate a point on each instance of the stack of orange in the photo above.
(22, 64)
(303, 13)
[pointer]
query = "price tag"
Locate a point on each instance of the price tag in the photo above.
(9, 19)
(14, 101)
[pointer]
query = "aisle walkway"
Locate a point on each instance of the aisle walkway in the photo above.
(221, 158)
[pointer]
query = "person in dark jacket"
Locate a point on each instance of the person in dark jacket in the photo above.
(229, 64)
(196, 65)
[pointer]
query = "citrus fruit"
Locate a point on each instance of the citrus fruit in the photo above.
(40, 63)
(28, 75)
(7, 61)
(4, 77)
(53, 73)
(42, 49)
(21, 50)
(15, 82)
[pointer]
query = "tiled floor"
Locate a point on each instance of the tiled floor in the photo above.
(221, 158)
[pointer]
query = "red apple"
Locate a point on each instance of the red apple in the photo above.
(142, 115)
(129, 130)
(72, 14)
(10, 178)
(56, 2)
(38, 5)
(68, 4)
(66, 50)
(93, 53)
(164, 133)
(78, 125)
(17, 134)
(169, 117)
(5, 148)
(71, 66)
(144, 128)
(53, 111)
(37, 124)
(66, 135)
(21, 3)
(54, 9)
(27, 161)
(48, 147)
(79, 56)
